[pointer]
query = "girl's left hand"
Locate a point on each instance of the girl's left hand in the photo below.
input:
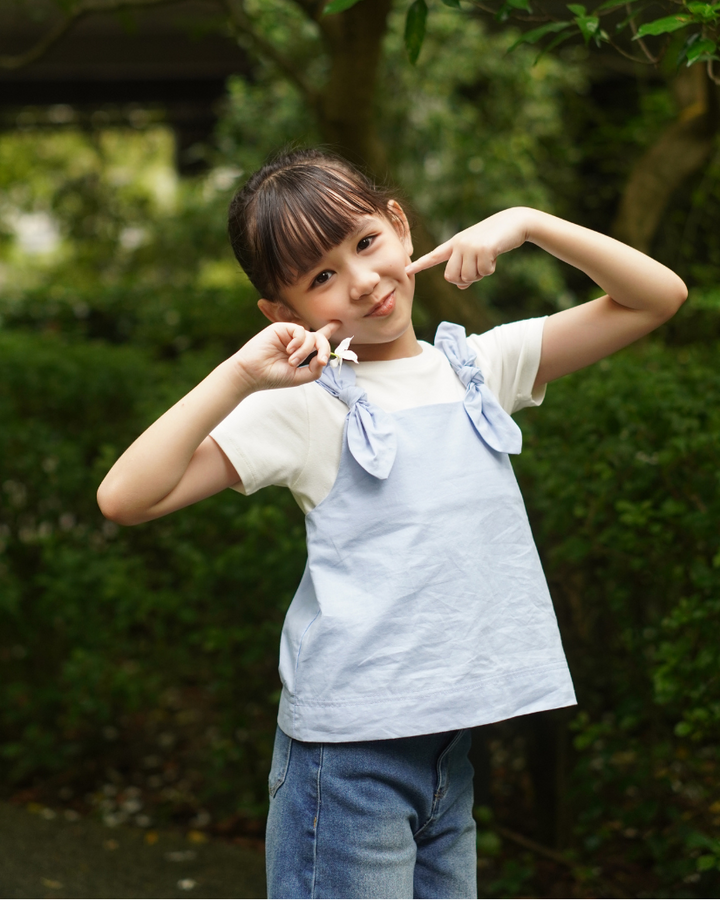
(472, 254)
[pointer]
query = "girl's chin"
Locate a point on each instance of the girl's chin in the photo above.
(393, 345)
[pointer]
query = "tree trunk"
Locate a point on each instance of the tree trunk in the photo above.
(681, 151)
(346, 111)
(347, 117)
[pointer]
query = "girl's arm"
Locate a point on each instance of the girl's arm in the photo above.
(174, 463)
(640, 295)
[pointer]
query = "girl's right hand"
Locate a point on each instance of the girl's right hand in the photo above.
(271, 358)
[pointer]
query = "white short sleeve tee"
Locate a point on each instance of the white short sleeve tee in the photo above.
(293, 436)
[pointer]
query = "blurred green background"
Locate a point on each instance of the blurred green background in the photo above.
(138, 666)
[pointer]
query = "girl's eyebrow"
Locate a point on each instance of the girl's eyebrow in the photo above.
(364, 223)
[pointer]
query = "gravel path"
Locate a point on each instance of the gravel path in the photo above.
(42, 857)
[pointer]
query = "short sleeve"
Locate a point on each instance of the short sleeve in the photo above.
(509, 357)
(266, 438)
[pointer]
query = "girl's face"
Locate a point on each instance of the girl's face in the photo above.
(361, 284)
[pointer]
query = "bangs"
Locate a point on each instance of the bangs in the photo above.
(296, 209)
(302, 213)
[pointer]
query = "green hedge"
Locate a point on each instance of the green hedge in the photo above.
(99, 622)
(620, 473)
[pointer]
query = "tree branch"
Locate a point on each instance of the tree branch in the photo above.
(639, 60)
(546, 17)
(633, 27)
(529, 844)
(514, 14)
(83, 9)
(241, 24)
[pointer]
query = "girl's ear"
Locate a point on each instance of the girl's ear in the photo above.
(401, 225)
(277, 311)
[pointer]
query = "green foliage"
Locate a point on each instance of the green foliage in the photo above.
(415, 29)
(663, 26)
(633, 26)
(532, 37)
(100, 624)
(337, 6)
(262, 118)
(164, 320)
(97, 622)
(620, 476)
(638, 480)
(697, 49)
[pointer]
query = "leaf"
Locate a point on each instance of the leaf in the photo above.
(415, 29)
(686, 46)
(338, 6)
(663, 26)
(623, 24)
(577, 9)
(588, 26)
(700, 51)
(453, 4)
(555, 42)
(532, 37)
(706, 12)
(613, 4)
(503, 14)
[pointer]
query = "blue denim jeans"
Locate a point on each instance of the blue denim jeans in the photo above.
(372, 819)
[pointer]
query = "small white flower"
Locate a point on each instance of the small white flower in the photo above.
(341, 352)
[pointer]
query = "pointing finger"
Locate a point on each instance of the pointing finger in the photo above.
(440, 254)
(329, 330)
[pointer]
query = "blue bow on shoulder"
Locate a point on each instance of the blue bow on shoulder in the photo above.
(370, 431)
(489, 419)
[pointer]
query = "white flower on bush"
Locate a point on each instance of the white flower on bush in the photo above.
(341, 352)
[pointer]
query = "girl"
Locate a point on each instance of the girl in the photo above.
(423, 610)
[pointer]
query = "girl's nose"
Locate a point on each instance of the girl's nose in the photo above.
(363, 282)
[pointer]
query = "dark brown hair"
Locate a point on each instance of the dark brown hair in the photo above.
(293, 211)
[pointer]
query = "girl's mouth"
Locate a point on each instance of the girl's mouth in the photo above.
(383, 308)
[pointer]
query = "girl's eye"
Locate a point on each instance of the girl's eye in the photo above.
(365, 242)
(322, 277)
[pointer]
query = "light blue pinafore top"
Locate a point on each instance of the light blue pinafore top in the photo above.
(423, 606)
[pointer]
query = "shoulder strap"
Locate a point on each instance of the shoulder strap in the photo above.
(370, 430)
(496, 428)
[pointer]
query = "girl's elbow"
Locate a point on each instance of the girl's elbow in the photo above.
(680, 294)
(677, 295)
(674, 297)
(113, 508)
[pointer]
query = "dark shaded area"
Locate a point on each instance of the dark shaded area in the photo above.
(43, 857)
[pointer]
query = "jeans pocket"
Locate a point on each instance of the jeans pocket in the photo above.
(280, 762)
